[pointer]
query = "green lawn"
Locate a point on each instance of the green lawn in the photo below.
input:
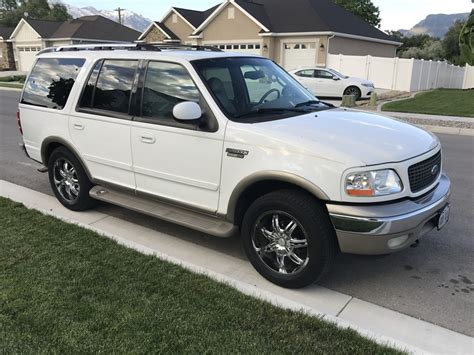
(11, 85)
(446, 102)
(16, 78)
(64, 289)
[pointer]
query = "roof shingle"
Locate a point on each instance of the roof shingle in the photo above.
(87, 27)
(5, 32)
(309, 16)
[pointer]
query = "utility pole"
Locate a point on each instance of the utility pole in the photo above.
(119, 10)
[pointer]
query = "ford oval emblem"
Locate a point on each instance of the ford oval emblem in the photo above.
(435, 169)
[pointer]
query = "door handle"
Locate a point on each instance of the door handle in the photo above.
(147, 139)
(78, 126)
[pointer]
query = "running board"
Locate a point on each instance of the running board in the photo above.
(186, 218)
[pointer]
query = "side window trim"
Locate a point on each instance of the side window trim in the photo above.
(138, 117)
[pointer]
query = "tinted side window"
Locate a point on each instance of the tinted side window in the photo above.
(306, 73)
(86, 99)
(323, 74)
(51, 82)
(166, 85)
(114, 85)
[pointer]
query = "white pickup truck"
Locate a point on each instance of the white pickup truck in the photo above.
(226, 143)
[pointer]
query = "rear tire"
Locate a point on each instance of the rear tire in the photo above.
(288, 238)
(354, 91)
(69, 180)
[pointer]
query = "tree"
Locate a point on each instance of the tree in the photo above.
(450, 42)
(365, 9)
(466, 41)
(11, 11)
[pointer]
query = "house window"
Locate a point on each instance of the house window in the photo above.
(231, 13)
(174, 18)
(228, 46)
(250, 46)
(236, 46)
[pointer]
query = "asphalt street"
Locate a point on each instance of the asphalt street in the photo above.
(433, 282)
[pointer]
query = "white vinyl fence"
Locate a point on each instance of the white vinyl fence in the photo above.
(403, 74)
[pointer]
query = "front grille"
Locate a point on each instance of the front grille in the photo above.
(424, 173)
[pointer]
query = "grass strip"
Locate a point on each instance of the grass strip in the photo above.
(445, 102)
(65, 289)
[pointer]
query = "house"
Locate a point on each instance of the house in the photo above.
(30, 36)
(7, 61)
(293, 33)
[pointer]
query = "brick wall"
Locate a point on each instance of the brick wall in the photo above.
(7, 62)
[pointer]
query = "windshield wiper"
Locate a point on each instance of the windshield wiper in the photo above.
(272, 110)
(308, 103)
(314, 102)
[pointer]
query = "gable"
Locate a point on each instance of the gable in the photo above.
(180, 28)
(231, 24)
(154, 35)
(25, 33)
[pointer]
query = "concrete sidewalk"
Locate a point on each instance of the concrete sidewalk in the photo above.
(12, 72)
(428, 117)
(378, 323)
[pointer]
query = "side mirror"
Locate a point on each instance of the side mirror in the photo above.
(187, 112)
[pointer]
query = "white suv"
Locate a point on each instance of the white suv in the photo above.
(222, 142)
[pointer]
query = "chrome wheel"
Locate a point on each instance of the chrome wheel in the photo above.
(353, 91)
(66, 180)
(280, 242)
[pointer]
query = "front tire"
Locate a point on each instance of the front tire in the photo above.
(354, 91)
(69, 180)
(288, 238)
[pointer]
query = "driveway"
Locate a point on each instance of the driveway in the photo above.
(433, 282)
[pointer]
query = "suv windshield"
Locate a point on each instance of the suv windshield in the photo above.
(255, 88)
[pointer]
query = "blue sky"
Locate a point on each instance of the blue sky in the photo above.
(396, 14)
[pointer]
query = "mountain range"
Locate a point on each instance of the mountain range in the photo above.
(436, 25)
(129, 18)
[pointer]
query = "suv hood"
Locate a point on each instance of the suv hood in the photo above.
(346, 135)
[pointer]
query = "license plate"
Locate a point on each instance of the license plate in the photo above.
(444, 217)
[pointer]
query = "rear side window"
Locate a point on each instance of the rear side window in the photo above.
(51, 82)
(111, 89)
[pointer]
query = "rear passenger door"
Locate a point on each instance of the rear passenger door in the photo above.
(101, 123)
(175, 161)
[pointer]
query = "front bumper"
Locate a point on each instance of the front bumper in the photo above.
(386, 228)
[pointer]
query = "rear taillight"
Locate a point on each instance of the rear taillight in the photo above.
(18, 120)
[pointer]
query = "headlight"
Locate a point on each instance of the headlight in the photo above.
(368, 85)
(373, 183)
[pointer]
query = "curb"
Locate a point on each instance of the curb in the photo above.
(377, 323)
(9, 89)
(449, 130)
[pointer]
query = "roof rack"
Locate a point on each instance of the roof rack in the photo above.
(128, 46)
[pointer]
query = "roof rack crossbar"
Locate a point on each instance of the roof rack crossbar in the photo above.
(128, 46)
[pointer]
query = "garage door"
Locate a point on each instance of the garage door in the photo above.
(249, 48)
(26, 57)
(296, 55)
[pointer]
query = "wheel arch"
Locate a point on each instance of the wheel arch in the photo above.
(51, 143)
(261, 183)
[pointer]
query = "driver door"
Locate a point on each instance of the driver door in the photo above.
(326, 83)
(175, 161)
